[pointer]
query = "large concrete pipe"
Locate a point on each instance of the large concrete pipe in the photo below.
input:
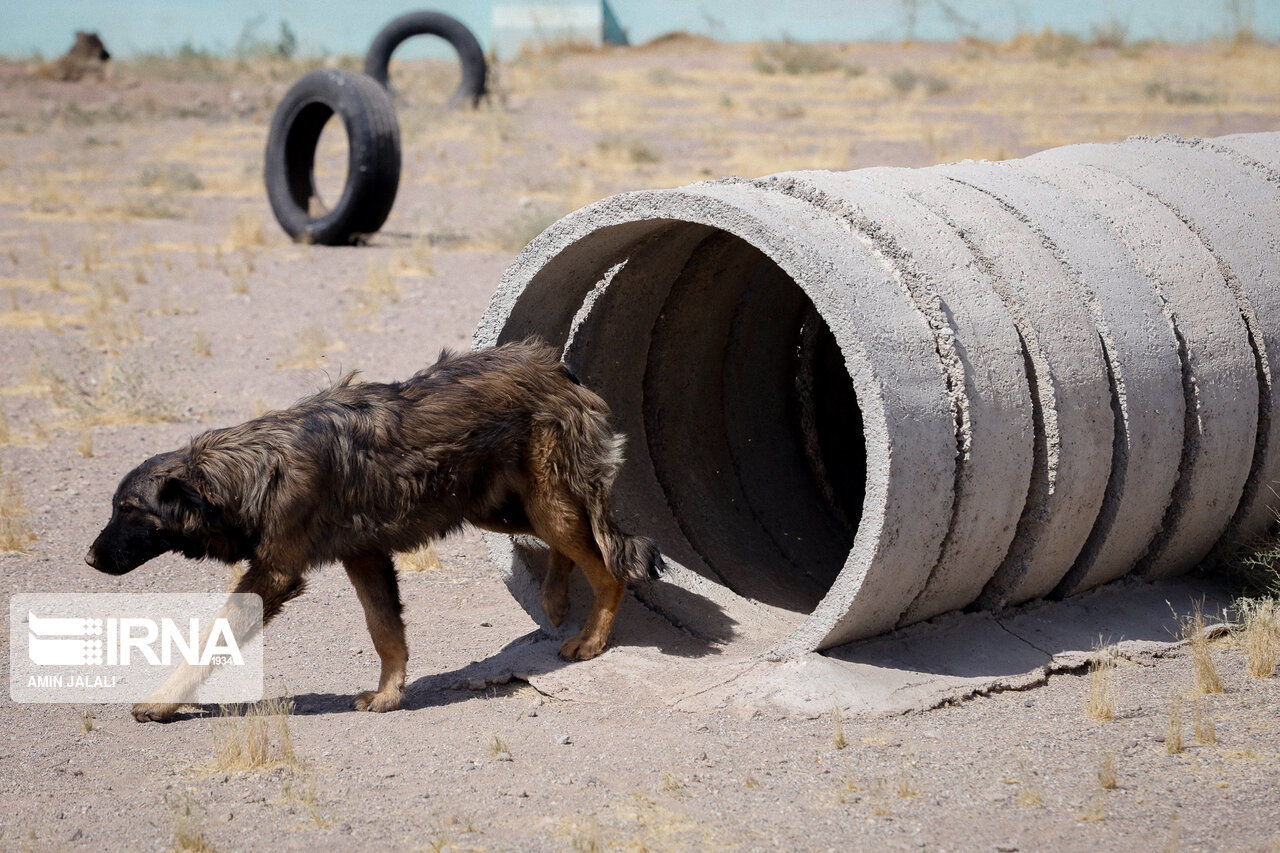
(857, 400)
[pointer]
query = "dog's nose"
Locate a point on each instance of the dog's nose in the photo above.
(91, 558)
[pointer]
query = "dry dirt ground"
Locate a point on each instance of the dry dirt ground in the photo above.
(146, 294)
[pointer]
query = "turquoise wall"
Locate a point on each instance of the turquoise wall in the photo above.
(329, 26)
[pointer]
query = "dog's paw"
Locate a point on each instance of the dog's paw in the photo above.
(582, 647)
(372, 700)
(154, 712)
(555, 605)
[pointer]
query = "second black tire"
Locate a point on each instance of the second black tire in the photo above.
(373, 163)
(470, 55)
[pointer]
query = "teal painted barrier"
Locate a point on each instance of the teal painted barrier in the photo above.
(329, 27)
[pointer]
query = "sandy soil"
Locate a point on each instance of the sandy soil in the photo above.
(145, 295)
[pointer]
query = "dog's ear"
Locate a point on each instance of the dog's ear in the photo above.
(180, 500)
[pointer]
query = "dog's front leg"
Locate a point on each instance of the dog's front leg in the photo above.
(274, 587)
(374, 577)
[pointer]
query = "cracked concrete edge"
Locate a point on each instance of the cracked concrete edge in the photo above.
(922, 667)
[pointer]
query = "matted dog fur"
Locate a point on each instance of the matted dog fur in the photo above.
(505, 439)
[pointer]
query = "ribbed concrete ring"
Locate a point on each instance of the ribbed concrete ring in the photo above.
(1142, 357)
(1220, 386)
(1066, 368)
(979, 344)
(1237, 217)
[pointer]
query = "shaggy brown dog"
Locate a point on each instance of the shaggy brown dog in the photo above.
(86, 58)
(505, 439)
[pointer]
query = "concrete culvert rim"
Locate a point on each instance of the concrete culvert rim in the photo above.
(684, 298)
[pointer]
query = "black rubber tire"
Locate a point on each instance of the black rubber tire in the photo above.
(373, 165)
(470, 55)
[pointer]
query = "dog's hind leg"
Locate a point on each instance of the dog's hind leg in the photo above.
(374, 577)
(555, 587)
(564, 526)
(512, 520)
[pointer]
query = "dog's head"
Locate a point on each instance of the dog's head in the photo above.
(89, 46)
(155, 509)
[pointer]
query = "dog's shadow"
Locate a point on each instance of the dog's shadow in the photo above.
(537, 653)
(527, 657)
(641, 624)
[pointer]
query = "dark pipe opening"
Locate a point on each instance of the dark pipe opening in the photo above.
(752, 426)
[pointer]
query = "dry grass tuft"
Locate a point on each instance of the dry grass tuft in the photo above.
(5, 435)
(421, 253)
(1193, 631)
(171, 177)
(498, 746)
(90, 255)
(837, 728)
(1107, 776)
(1172, 840)
(121, 394)
(86, 720)
(380, 284)
(1095, 812)
(670, 782)
(200, 345)
(1173, 728)
(625, 146)
(1028, 791)
(242, 742)
(905, 786)
(905, 81)
(246, 232)
(520, 229)
(1260, 636)
(108, 327)
(1051, 45)
(1205, 731)
(84, 443)
(1102, 670)
(304, 792)
(52, 275)
(788, 56)
(238, 275)
(310, 350)
(424, 559)
(15, 535)
(188, 829)
(1174, 96)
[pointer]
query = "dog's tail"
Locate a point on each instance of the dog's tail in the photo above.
(628, 558)
(590, 462)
